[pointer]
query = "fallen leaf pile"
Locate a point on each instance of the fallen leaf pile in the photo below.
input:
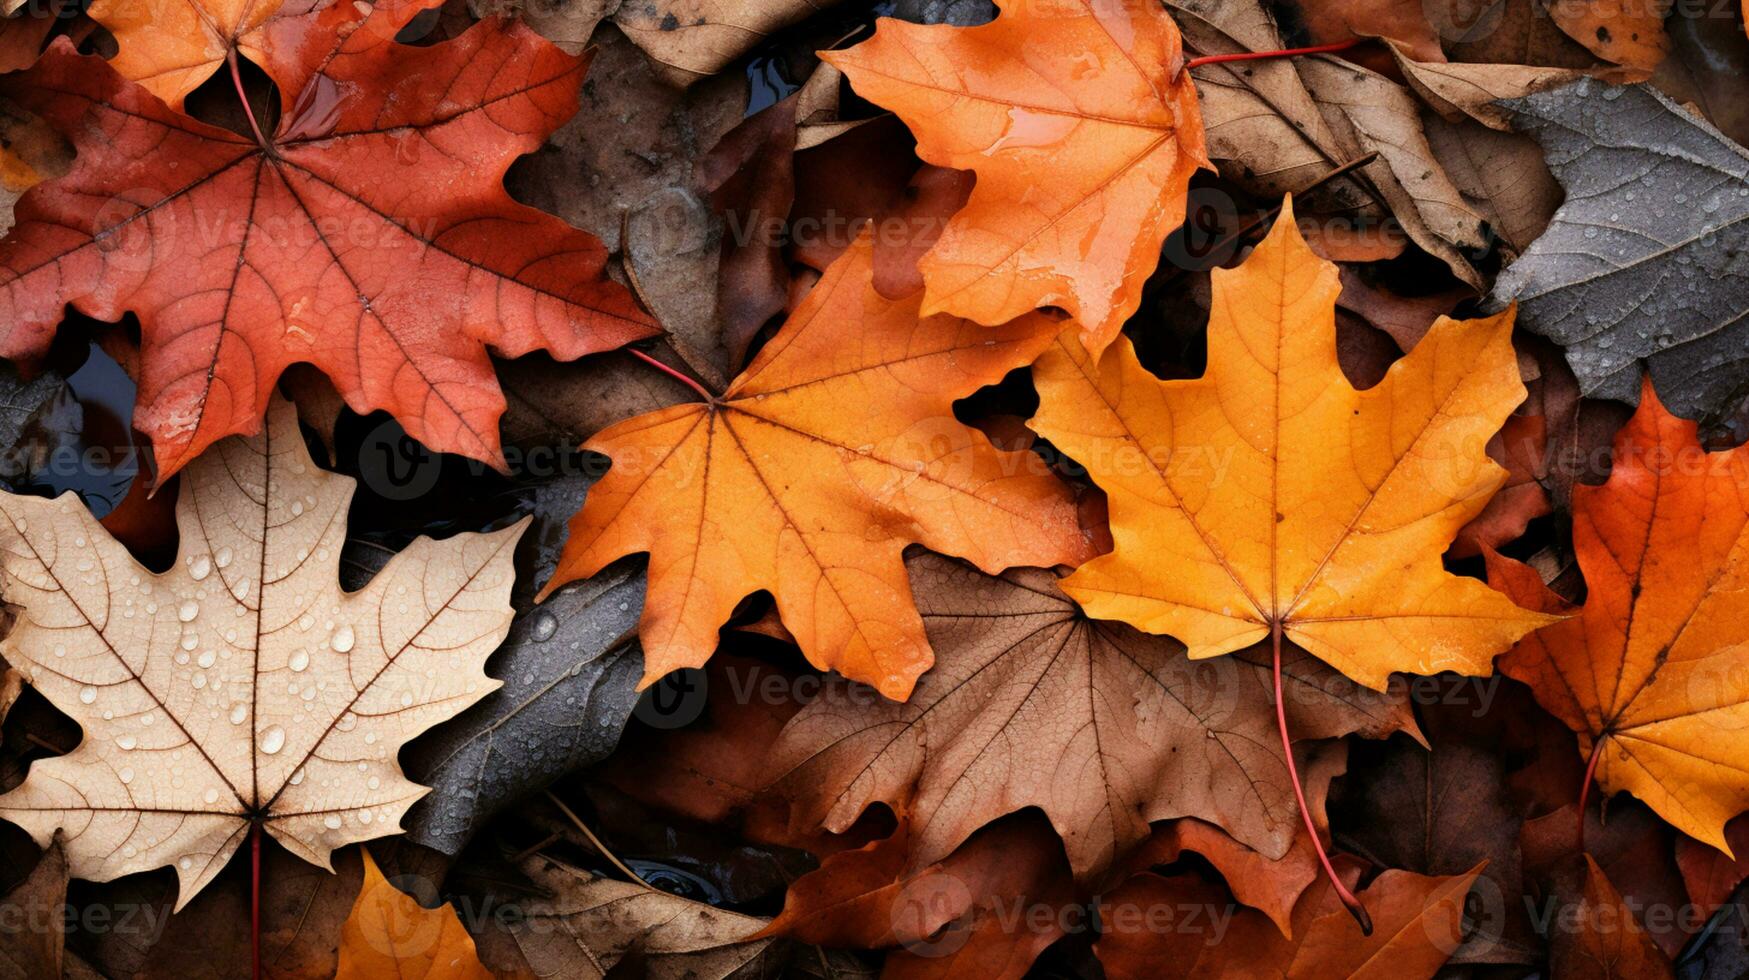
(922, 489)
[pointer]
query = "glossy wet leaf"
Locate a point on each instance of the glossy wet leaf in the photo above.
(1645, 266)
(241, 681)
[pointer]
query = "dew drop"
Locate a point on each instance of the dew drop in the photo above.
(331, 821)
(199, 567)
(342, 639)
(272, 740)
(545, 625)
(299, 660)
(126, 741)
(211, 795)
(126, 775)
(239, 712)
(87, 694)
(188, 610)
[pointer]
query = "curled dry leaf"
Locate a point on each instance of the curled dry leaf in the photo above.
(1083, 131)
(241, 686)
(388, 934)
(694, 39)
(1643, 264)
(325, 243)
(1270, 495)
(1653, 672)
(1282, 125)
(584, 926)
(1018, 667)
(835, 449)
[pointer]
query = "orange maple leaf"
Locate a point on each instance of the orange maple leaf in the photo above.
(1270, 495)
(835, 449)
(172, 46)
(1083, 130)
(370, 235)
(1653, 672)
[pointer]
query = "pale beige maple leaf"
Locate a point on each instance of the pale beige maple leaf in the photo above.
(242, 685)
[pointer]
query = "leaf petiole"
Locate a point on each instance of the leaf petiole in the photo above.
(1585, 787)
(672, 373)
(1218, 59)
(243, 97)
(1287, 746)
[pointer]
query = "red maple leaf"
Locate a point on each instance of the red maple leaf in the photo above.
(370, 234)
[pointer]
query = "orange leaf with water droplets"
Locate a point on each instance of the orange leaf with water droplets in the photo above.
(1083, 130)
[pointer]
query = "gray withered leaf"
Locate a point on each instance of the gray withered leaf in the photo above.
(570, 668)
(1647, 261)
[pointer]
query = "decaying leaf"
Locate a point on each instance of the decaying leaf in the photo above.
(325, 243)
(390, 935)
(1083, 131)
(242, 685)
(584, 925)
(1019, 667)
(835, 449)
(1599, 936)
(1282, 125)
(1653, 672)
(949, 918)
(32, 937)
(1645, 263)
(693, 39)
(1270, 495)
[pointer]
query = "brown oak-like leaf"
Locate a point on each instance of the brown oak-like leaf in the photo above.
(1101, 726)
(835, 449)
(369, 235)
(240, 687)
